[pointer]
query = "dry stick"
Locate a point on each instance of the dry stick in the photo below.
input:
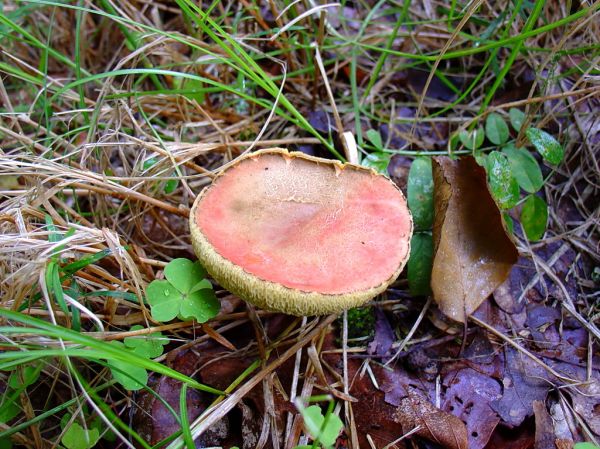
(568, 304)
(204, 422)
(132, 194)
(520, 348)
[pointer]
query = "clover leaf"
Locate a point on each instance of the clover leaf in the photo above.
(314, 420)
(131, 376)
(149, 346)
(76, 437)
(185, 293)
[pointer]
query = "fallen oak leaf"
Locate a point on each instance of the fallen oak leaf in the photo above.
(433, 424)
(473, 254)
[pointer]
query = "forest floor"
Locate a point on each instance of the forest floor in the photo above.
(114, 115)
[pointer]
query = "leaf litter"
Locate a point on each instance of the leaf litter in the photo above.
(502, 396)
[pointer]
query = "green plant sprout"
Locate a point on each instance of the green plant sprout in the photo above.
(324, 430)
(377, 160)
(186, 293)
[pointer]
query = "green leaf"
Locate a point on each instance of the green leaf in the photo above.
(164, 300)
(420, 263)
(201, 305)
(171, 186)
(6, 443)
(525, 168)
(509, 225)
(585, 445)
(8, 407)
(420, 193)
(23, 376)
(496, 129)
(375, 138)
(378, 161)
(148, 345)
(132, 377)
(472, 140)
(534, 217)
(76, 437)
(546, 145)
(184, 274)
(314, 419)
(503, 186)
(517, 117)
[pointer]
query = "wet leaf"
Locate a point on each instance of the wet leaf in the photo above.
(201, 305)
(517, 117)
(472, 140)
(525, 168)
(502, 184)
(435, 425)
(419, 264)
(184, 274)
(472, 252)
(534, 217)
(420, 193)
(496, 129)
(546, 145)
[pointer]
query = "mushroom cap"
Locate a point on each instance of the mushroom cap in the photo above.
(301, 235)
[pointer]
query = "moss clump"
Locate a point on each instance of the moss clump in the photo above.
(361, 325)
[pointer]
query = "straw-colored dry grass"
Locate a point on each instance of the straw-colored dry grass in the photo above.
(89, 91)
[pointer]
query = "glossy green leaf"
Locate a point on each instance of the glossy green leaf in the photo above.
(201, 305)
(496, 129)
(525, 168)
(76, 437)
(164, 300)
(147, 345)
(420, 263)
(517, 117)
(184, 274)
(503, 186)
(420, 193)
(375, 138)
(534, 217)
(131, 376)
(377, 161)
(472, 140)
(546, 145)
(314, 419)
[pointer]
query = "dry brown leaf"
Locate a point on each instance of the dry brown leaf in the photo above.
(434, 424)
(472, 252)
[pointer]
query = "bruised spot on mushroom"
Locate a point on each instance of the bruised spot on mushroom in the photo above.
(301, 235)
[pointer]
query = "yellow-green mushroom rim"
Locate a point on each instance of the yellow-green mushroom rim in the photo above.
(270, 295)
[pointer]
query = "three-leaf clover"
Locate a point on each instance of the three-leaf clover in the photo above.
(131, 376)
(185, 293)
(149, 346)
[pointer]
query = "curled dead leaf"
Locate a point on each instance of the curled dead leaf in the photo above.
(434, 424)
(472, 251)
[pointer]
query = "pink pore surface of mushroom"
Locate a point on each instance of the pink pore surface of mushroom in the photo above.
(307, 226)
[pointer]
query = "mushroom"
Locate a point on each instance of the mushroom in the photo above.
(299, 234)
